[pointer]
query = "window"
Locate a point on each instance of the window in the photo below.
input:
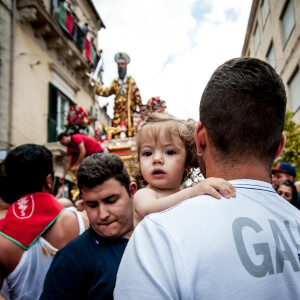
(256, 36)
(58, 109)
(287, 20)
(271, 56)
(294, 88)
(265, 10)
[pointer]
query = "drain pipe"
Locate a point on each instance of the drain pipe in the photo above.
(11, 74)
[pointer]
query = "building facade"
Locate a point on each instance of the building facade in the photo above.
(47, 48)
(273, 35)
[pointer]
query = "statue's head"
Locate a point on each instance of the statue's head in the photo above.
(122, 59)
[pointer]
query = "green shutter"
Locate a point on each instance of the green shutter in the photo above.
(62, 17)
(52, 113)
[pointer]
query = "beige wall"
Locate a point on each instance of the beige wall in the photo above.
(287, 54)
(31, 90)
(30, 103)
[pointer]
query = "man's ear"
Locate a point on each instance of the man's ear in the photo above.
(200, 137)
(49, 183)
(281, 145)
(132, 188)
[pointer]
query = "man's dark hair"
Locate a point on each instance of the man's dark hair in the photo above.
(97, 168)
(243, 111)
(27, 167)
(4, 189)
(61, 135)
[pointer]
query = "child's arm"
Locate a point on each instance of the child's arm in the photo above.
(147, 202)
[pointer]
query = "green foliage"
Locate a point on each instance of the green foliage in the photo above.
(291, 152)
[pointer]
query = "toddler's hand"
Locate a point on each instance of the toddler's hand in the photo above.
(215, 187)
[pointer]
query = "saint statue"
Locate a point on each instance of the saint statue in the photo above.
(127, 98)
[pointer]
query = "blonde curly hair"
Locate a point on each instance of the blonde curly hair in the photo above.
(174, 129)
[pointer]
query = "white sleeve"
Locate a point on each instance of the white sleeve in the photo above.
(79, 218)
(151, 267)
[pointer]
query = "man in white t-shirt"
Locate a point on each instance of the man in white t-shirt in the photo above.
(239, 248)
(36, 225)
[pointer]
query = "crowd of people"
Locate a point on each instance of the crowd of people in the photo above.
(233, 235)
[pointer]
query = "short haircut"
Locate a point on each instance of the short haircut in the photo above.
(243, 110)
(174, 129)
(4, 188)
(98, 168)
(27, 168)
(61, 135)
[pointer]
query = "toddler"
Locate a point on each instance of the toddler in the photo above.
(167, 153)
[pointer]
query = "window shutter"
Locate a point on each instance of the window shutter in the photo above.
(52, 122)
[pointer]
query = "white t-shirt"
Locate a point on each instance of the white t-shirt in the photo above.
(26, 281)
(204, 248)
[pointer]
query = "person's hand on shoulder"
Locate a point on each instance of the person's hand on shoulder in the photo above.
(215, 187)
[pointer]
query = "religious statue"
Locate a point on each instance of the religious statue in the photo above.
(127, 98)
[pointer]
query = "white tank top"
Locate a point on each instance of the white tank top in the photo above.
(27, 279)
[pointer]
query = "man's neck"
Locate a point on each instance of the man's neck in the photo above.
(238, 171)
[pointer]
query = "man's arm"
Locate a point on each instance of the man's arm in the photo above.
(151, 267)
(136, 94)
(104, 92)
(66, 169)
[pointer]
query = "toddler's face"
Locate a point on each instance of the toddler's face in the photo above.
(162, 161)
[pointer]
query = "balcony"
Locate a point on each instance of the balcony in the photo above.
(46, 27)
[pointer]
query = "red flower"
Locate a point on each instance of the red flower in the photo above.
(89, 122)
(79, 122)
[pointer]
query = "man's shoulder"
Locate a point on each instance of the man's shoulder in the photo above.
(131, 79)
(77, 138)
(253, 198)
(77, 245)
(65, 229)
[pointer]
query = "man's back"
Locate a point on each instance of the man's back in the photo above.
(91, 145)
(247, 250)
(26, 269)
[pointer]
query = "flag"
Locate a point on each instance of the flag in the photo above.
(65, 19)
(90, 51)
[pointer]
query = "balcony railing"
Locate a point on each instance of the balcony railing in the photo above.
(68, 48)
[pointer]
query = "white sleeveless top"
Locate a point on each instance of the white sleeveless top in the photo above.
(27, 279)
